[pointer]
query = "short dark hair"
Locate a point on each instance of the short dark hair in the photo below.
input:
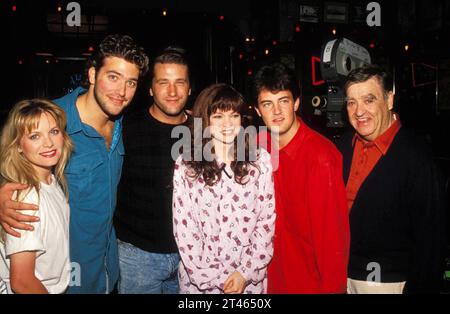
(275, 77)
(121, 46)
(367, 72)
(171, 54)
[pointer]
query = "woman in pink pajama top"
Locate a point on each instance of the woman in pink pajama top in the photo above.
(223, 203)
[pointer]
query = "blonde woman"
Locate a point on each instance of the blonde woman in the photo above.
(34, 149)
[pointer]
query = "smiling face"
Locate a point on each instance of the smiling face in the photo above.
(170, 89)
(42, 147)
(114, 84)
(369, 108)
(225, 125)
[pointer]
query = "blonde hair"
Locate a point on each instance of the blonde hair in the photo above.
(23, 118)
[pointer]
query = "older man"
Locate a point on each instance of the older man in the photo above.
(394, 194)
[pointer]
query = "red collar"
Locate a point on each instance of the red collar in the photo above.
(384, 141)
(296, 142)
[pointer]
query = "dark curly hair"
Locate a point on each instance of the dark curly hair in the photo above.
(216, 97)
(121, 46)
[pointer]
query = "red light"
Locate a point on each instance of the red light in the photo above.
(297, 28)
(91, 49)
(372, 45)
(314, 61)
(14, 8)
(250, 72)
(241, 56)
(274, 43)
(222, 17)
(20, 62)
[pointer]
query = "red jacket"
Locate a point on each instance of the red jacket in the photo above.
(312, 235)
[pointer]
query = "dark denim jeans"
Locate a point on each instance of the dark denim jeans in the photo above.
(144, 272)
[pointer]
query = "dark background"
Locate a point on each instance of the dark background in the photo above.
(45, 57)
(228, 40)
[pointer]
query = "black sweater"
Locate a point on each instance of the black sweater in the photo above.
(143, 215)
(397, 216)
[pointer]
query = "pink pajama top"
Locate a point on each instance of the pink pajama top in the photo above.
(224, 228)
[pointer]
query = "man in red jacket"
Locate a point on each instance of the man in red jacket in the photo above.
(311, 244)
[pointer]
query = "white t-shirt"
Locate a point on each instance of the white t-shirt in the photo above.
(50, 239)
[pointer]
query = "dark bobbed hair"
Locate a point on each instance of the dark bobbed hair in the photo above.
(217, 97)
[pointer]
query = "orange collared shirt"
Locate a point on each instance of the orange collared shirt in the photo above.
(365, 157)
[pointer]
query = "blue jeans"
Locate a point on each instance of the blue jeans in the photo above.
(143, 272)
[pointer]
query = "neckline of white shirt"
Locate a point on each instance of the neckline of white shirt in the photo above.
(51, 185)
